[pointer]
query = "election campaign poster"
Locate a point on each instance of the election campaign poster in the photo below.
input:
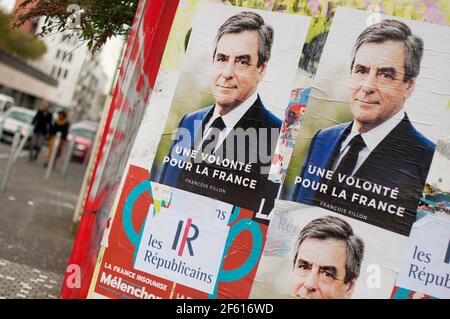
(295, 108)
(356, 178)
(377, 107)
(429, 238)
(312, 253)
(169, 243)
(426, 268)
(229, 103)
(266, 73)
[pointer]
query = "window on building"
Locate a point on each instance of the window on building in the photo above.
(66, 72)
(58, 53)
(67, 56)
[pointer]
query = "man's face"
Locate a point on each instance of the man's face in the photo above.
(319, 270)
(235, 71)
(44, 106)
(376, 84)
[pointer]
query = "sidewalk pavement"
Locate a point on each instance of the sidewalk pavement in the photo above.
(21, 281)
(36, 229)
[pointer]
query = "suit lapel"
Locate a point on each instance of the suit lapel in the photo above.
(251, 119)
(197, 130)
(382, 157)
(332, 146)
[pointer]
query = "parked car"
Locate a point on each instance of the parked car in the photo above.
(16, 117)
(84, 134)
(5, 103)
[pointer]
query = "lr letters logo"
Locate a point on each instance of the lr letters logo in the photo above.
(185, 239)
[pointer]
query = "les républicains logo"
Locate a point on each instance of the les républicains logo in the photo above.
(185, 239)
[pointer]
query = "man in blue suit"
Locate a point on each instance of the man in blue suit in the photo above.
(238, 131)
(380, 147)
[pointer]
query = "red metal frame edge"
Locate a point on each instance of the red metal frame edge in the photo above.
(158, 16)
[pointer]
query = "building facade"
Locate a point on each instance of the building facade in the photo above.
(81, 83)
(81, 79)
(23, 82)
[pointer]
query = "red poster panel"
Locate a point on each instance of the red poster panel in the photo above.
(136, 80)
(237, 256)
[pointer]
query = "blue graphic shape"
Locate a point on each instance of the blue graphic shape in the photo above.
(127, 222)
(257, 245)
(401, 294)
(234, 215)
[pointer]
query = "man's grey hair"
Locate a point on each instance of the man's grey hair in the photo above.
(393, 30)
(249, 21)
(330, 227)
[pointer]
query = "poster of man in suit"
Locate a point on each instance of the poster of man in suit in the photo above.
(230, 102)
(373, 143)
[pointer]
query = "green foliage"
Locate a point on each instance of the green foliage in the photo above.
(19, 43)
(99, 20)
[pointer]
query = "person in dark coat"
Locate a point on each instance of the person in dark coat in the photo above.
(41, 129)
(61, 125)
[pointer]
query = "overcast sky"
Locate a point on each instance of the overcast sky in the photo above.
(7, 4)
(110, 54)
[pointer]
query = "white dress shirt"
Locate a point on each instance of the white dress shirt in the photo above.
(230, 119)
(371, 138)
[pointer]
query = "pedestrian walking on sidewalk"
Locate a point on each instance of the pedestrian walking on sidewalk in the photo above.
(61, 125)
(41, 128)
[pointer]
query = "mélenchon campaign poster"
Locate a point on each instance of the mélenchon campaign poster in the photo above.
(169, 243)
(229, 103)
